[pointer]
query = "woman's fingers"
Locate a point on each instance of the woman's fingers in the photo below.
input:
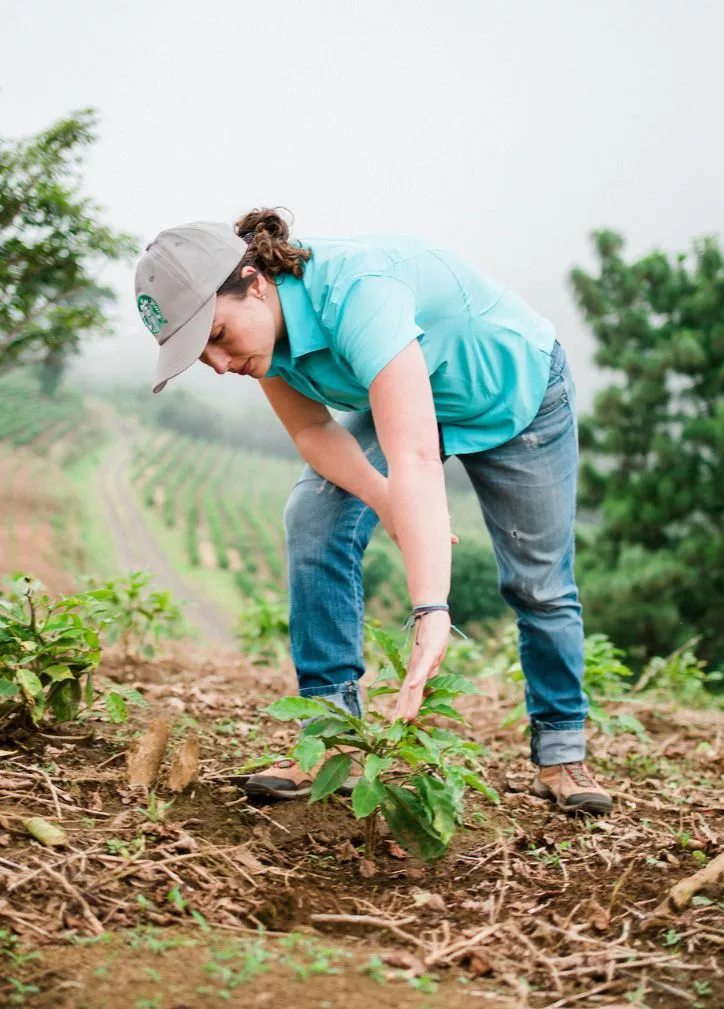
(432, 633)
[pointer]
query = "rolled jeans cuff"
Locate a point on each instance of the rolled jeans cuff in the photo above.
(557, 743)
(344, 695)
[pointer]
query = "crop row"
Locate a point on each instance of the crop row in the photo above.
(235, 499)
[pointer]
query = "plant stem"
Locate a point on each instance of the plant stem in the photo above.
(371, 835)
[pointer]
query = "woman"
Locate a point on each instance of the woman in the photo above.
(429, 359)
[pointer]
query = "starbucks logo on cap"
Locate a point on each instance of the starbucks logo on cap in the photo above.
(151, 314)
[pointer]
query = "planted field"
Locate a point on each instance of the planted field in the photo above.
(199, 898)
(227, 505)
(61, 427)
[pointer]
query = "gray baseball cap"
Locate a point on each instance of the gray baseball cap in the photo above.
(176, 284)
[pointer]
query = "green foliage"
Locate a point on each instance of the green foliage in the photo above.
(263, 629)
(135, 614)
(652, 572)
(51, 245)
(26, 416)
(607, 681)
(13, 958)
(49, 650)
(413, 774)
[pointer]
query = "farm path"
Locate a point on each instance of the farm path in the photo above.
(136, 546)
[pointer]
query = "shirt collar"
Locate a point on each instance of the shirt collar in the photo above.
(303, 329)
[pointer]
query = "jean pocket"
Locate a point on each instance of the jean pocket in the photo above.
(556, 394)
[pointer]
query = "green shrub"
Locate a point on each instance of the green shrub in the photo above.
(263, 628)
(135, 614)
(414, 773)
(49, 650)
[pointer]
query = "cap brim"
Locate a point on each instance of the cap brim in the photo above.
(186, 345)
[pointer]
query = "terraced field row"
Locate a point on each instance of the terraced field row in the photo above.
(229, 503)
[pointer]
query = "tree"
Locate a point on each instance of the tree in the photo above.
(652, 573)
(52, 245)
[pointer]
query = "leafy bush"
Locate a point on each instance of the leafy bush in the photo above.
(680, 678)
(413, 774)
(134, 614)
(47, 649)
(263, 628)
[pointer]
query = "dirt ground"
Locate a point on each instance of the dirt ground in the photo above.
(29, 541)
(215, 901)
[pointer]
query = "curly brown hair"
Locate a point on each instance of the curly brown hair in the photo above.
(269, 250)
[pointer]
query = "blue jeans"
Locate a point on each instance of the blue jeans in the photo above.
(527, 493)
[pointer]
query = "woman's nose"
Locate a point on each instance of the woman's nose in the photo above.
(218, 359)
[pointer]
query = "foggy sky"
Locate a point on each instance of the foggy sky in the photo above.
(505, 130)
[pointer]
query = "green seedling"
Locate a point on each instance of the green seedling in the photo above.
(157, 809)
(413, 774)
(49, 650)
(134, 614)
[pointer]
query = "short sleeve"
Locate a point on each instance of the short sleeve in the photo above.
(375, 321)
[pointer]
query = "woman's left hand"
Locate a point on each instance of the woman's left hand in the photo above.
(432, 634)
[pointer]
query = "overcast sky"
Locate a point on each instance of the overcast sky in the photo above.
(506, 129)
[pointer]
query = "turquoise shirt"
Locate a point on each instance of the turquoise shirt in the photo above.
(363, 300)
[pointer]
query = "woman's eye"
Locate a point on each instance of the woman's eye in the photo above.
(215, 337)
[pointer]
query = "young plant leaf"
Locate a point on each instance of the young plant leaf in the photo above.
(58, 673)
(308, 752)
(375, 765)
(64, 699)
(407, 819)
(453, 684)
(288, 708)
(324, 727)
(439, 706)
(442, 803)
(333, 773)
(389, 647)
(116, 708)
(366, 797)
(481, 785)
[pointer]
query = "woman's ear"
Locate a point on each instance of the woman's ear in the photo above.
(259, 284)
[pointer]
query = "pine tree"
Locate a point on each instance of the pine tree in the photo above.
(652, 473)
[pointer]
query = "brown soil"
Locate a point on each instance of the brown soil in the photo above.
(555, 911)
(28, 502)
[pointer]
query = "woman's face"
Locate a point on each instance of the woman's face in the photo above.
(242, 334)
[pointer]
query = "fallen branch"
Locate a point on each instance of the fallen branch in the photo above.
(681, 893)
(367, 919)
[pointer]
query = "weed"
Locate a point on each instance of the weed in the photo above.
(374, 969)
(135, 614)
(319, 959)
(157, 809)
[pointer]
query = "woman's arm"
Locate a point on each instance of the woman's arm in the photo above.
(404, 413)
(331, 450)
(406, 425)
